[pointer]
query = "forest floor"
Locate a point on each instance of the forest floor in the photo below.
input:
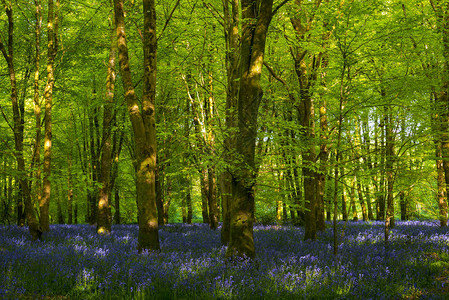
(73, 262)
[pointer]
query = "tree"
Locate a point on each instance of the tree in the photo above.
(104, 208)
(8, 53)
(442, 13)
(52, 45)
(256, 18)
(143, 122)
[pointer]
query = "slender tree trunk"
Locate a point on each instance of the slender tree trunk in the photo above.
(94, 164)
(352, 203)
(52, 33)
(189, 202)
(361, 200)
(69, 190)
(160, 195)
(381, 189)
(369, 166)
(403, 205)
(8, 54)
(343, 205)
(322, 174)
(75, 214)
(117, 216)
(36, 161)
(104, 206)
(142, 121)
(389, 160)
(204, 196)
(212, 181)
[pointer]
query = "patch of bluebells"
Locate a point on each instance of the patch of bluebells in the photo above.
(74, 262)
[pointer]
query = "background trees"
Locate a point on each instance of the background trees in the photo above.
(352, 113)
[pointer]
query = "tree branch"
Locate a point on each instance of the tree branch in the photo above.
(168, 20)
(279, 6)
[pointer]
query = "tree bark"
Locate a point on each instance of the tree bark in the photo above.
(352, 201)
(36, 161)
(231, 33)
(307, 74)
(8, 53)
(437, 127)
(69, 189)
(212, 181)
(389, 161)
(361, 200)
(142, 121)
(104, 206)
(52, 33)
(256, 20)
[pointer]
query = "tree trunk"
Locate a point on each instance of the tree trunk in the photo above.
(75, 214)
(307, 74)
(52, 33)
(403, 205)
(389, 160)
(8, 53)
(142, 121)
(117, 215)
(361, 200)
(104, 206)
(69, 190)
(204, 196)
(344, 210)
(231, 33)
(442, 14)
(322, 174)
(438, 126)
(256, 21)
(381, 188)
(94, 148)
(212, 181)
(352, 203)
(36, 161)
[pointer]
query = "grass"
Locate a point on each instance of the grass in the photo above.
(73, 262)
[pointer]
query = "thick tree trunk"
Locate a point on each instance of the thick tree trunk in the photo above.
(256, 21)
(442, 100)
(143, 124)
(104, 206)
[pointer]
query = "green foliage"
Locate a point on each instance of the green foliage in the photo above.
(378, 53)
